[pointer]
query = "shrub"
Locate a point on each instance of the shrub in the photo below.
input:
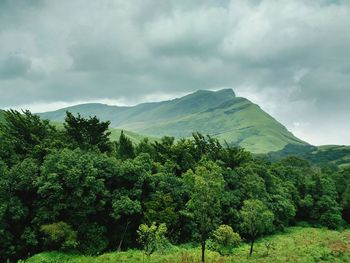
(152, 238)
(224, 239)
(59, 236)
(331, 219)
(92, 239)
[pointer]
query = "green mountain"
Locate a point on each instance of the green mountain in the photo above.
(220, 114)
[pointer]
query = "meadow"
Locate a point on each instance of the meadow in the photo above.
(295, 244)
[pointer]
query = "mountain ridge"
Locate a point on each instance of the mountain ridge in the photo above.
(221, 114)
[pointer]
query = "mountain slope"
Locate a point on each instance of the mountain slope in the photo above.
(336, 155)
(220, 114)
(148, 112)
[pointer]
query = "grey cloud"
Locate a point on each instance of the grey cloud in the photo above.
(14, 67)
(292, 57)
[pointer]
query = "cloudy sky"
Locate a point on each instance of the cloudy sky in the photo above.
(290, 57)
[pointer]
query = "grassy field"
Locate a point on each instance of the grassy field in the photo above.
(296, 244)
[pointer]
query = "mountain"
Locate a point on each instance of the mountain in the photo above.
(220, 114)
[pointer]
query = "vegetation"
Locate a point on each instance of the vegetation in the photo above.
(333, 156)
(296, 244)
(224, 240)
(152, 238)
(256, 220)
(220, 114)
(76, 191)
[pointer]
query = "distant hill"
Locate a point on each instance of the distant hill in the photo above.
(337, 155)
(220, 114)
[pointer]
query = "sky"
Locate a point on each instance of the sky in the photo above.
(290, 57)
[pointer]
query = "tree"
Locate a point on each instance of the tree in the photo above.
(256, 220)
(124, 206)
(24, 135)
(326, 210)
(164, 201)
(87, 133)
(125, 149)
(205, 186)
(17, 209)
(71, 188)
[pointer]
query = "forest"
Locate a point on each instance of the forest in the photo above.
(72, 189)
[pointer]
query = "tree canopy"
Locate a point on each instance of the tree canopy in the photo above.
(72, 188)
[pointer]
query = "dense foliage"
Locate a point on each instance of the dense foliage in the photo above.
(74, 189)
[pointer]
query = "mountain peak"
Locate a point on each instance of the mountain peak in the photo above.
(226, 92)
(219, 113)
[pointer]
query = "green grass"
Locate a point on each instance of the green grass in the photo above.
(296, 244)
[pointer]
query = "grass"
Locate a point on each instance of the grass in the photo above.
(296, 244)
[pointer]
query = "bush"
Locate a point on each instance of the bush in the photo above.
(331, 219)
(59, 236)
(224, 239)
(92, 239)
(152, 238)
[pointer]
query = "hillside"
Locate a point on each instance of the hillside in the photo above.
(295, 245)
(220, 114)
(337, 155)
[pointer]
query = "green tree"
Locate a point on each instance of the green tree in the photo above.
(125, 207)
(87, 133)
(164, 201)
(326, 209)
(256, 220)
(125, 149)
(71, 188)
(25, 135)
(205, 186)
(17, 209)
(342, 183)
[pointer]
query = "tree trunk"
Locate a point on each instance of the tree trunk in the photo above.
(123, 235)
(203, 250)
(251, 247)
